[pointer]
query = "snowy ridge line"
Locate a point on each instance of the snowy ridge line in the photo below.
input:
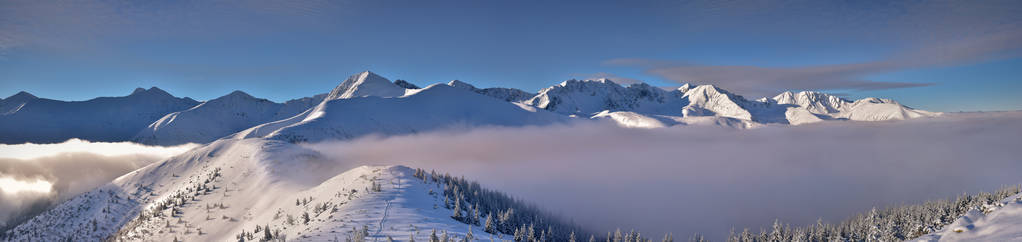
(925, 222)
(155, 117)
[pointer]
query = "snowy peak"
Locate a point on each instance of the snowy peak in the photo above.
(708, 100)
(462, 85)
(588, 97)
(815, 102)
(365, 84)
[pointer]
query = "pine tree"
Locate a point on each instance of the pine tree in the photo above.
(777, 234)
(457, 209)
(266, 233)
(571, 238)
(475, 214)
(489, 223)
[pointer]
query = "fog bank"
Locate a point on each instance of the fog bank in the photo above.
(709, 179)
(71, 168)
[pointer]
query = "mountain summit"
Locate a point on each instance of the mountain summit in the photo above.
(365, 84)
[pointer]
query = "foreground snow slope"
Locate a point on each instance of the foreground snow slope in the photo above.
(216, 192)
(1000, 222)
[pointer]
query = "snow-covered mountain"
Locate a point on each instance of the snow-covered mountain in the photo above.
(825, 106)
(232, 188)
(220, 117)
(27, 118)
(435, 107)
(367, 103)
(642, 105)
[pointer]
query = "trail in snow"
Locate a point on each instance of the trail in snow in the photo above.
(386, 210)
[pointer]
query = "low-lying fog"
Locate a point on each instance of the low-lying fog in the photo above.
(34, 176)
(708, 179)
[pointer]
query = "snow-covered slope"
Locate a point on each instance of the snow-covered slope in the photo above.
(40, 120)
(231, 187)
(999, 222)
(432, 108)
(502, 93)
(642, 105)
(220, 117)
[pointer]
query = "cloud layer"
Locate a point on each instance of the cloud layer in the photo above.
(708, 180)
(72, 167)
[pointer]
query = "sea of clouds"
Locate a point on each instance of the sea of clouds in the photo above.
(685, 180)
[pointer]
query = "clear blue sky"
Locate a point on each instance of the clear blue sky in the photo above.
(935, 55)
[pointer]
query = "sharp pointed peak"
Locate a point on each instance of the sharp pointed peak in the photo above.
(138, 90)
(21, 95)
(365, 83)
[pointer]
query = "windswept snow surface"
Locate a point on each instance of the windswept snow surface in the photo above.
(998, 222)
(215, 192)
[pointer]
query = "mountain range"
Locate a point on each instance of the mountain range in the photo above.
(367, 103)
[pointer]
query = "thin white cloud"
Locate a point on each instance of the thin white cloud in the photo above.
(920, 34)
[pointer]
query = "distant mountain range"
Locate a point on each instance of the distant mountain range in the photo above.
(367, 103)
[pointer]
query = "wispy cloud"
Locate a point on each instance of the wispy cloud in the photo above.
(921, 34)
(758, 81)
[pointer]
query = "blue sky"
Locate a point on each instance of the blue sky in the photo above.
(935, 55)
